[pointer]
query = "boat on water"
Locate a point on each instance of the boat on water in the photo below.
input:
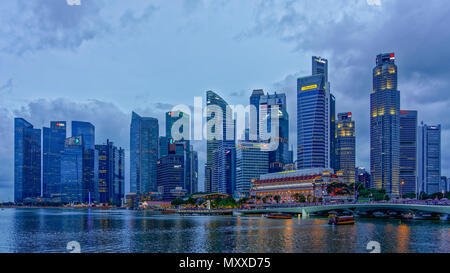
(168, 211)
(341, 220)
(278, 215)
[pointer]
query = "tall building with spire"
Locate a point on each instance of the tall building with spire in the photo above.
(385, 126)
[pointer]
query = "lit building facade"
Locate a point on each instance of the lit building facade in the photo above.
(251, 162)
(385, 126)
(53, 146)
(345, 147)
(408, 151)
(144, 141)
(27, 160)
(429, 158)
(287, 184)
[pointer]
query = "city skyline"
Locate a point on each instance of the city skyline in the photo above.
(49, 105)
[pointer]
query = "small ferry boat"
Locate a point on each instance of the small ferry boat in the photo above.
(341, 220)
(278, 215)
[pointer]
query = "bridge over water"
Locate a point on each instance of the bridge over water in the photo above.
(305, 211)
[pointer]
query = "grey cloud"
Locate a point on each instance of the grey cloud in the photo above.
(30, 25)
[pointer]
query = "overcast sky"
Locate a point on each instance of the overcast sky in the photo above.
(99, 61)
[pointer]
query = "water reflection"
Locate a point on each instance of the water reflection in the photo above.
(49, 230)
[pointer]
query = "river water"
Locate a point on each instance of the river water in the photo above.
(50, 230)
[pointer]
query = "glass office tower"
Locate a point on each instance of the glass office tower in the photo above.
(251, 163)
(315, 116)
(110, 186)
(429, 166)
(408, 151)
(345, 147)
(225, 133)
(385, 126)
(87, 131)
(280, 157)
(254, 115)
(72, 161)
(144, 138)
(53, 146)
(27, 160)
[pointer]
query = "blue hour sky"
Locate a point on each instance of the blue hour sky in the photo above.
(99, 61)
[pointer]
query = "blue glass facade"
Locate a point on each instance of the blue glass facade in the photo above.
(429, 167)
(251, 163)
(312, 122)
(27, 160)
(385, 126)
(408, 151)
(87, 131)
(279, 157)
(53, 146)
(72, 161)
(144, 141)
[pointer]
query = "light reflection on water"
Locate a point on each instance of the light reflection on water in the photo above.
(49, 230)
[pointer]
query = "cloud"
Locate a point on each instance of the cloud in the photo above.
(374, 2)
(30, 25)
(7, 86)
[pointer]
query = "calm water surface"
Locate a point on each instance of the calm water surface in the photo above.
(49, 230)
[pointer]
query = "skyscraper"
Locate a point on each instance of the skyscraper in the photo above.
(225, 132)
(27, 160)
(171, 174)
(279, 157)
(408, 151)
(87, 131)
(110, 186)
(72, 168)
(254, 114)
(314, 118)
(224, 168)
(385, 126)
(345, 147)
(53, 146)
(251, 162)
(429, 165)
(144, 137)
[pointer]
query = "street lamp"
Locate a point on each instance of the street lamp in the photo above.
(401, 189)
